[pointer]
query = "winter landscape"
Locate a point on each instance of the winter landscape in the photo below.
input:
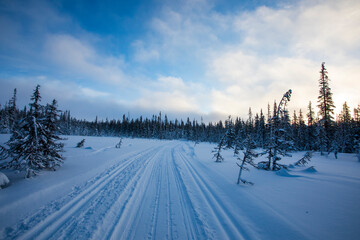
(161, 189)
(181, 119)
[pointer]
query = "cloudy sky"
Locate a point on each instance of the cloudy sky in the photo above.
(209, 58)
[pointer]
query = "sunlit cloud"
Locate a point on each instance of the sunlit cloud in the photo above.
(171, 93)
(188, 56)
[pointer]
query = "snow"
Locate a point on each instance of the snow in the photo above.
(284, 173)
(174, 190)
(311, 169)
(4, 181)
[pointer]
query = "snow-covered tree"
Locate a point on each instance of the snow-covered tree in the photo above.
(311, 133)
(230, 136)
(248, 158)
(118, 145)
(52, 147)
(326, 106)
(12, 112)
(217, 151)
(26, 144)
(279, 140)
(344, 132)
(304, 160)
(80, 144)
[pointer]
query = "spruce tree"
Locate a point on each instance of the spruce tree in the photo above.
(26, 144)
(311, 133)
(326, 106)
(229, 137)
(304, 160)
(217, 151)
(52, 146)
(344, 130)
(248, 158)
(12, 112)
(279, 142)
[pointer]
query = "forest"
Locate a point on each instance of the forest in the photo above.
(308, 131)
(298, 131)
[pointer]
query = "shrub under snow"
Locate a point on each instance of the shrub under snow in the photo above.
(4, 181)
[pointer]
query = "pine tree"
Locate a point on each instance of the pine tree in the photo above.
(261, 130)
(26, 144)
(52, 148)
(230, 136)
(248, 158)
(302, 132)
(80, 144)
(311, 133)
(118, 145)
(279, 141)
(357, 114)
(304, 160)
(326, 106)
(217, 150)
(12, 112)
(295, 129)
(344, 131)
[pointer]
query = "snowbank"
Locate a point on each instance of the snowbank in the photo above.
(4, 181)
(311, 169)
(284, 173)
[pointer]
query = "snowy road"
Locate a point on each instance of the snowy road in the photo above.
(143, 196)
(156, 191)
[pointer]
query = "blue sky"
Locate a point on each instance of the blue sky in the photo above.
(192, 58)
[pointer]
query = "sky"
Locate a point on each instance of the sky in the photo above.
(198, 58)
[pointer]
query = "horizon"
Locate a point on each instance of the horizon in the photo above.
(197, 59)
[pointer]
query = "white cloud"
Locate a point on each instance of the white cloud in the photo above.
(171, 94)
(93, 93)
(283, 48)
(142, 54)
(243, 59)
(82, 59)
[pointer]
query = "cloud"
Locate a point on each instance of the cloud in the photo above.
(171, 94)
(93, 93)
(176, 98)
(82, 59)
(263, 82)
(142, 54)
(23, 27)
(283, 48)
(307, 29)
(190, 58)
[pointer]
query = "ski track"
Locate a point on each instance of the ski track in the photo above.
(84, 201)
(230, 227)
(276, 217)
(156, 193)
(172, 215)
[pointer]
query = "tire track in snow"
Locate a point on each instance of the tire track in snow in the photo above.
(228, 224)
(49, 225)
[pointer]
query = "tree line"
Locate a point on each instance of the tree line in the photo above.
(308, 132)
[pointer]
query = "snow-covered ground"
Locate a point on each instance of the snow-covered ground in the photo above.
(172, 190)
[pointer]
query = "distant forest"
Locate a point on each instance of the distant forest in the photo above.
(307, 131)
